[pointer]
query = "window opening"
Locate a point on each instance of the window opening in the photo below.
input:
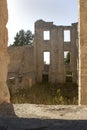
(67, 57)
(66, 35)
(46, 35)
(46, 56)
(68, 76)
(45, 78)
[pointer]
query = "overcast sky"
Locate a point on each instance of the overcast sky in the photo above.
(24, 13)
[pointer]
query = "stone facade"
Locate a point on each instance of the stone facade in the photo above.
(56, 46)
(4, 58)
(27, 62)
(82, 52)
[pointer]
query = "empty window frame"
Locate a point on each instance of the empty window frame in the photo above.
(67, 57)
(69, 76)
(46, 35)
(45, 77)
(46, 58)
(67, 36)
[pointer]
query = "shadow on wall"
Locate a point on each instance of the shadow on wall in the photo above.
(7, 110)
(41, 124)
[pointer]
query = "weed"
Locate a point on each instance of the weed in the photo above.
(47, 93)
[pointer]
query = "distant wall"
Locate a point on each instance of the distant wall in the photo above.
(56, 46)
(21, 67)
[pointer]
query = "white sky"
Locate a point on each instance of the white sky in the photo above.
(24, 13)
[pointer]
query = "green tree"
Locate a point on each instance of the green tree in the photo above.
(23, 38)
(67, 59)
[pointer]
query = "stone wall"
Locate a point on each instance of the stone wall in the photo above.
(21, 67)
(4, 58)
(56, 46)
(83, 52)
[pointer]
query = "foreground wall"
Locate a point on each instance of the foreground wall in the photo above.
(83, 52)
(4, 58)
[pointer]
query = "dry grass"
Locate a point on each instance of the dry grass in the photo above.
(47, 93)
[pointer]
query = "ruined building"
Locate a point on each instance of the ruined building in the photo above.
(56, 45)
(28, 65)
(37, 55)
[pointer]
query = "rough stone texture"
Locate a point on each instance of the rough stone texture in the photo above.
(56, 46)
(83, 52)
(4, 58)
(21, 68)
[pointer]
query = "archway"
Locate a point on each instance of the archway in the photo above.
(4, 58)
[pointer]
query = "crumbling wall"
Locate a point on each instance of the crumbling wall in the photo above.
(21, 67)
(56, 46)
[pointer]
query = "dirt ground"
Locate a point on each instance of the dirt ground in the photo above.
(51, 111)
(45, 117)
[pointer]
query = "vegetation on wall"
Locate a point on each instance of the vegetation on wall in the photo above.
(67, 59)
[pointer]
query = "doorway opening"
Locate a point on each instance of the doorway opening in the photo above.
(45, 78)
